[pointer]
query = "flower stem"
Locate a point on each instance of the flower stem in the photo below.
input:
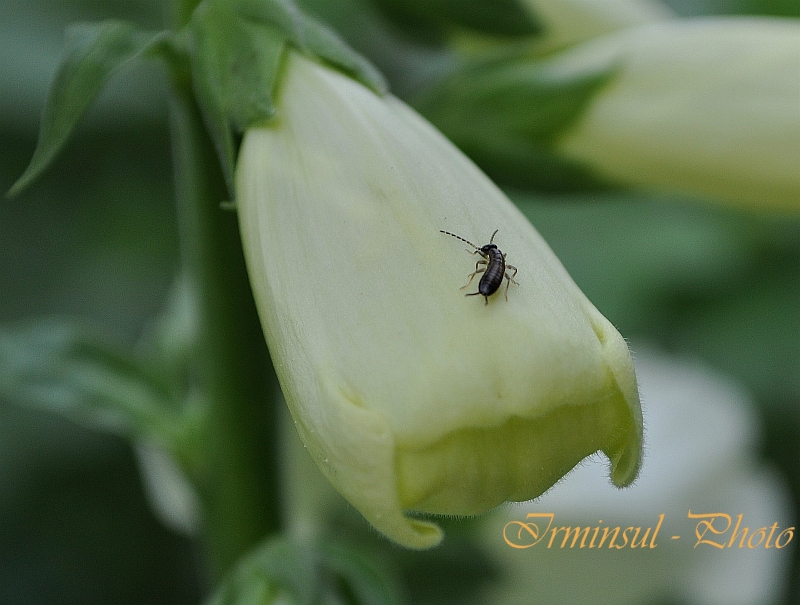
(234, 464)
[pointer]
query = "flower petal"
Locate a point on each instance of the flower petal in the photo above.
(408, 394)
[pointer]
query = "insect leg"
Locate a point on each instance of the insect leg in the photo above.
(471, 277)
(510, 278)
(475, 294)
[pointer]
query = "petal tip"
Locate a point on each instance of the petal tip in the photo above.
(424, 534)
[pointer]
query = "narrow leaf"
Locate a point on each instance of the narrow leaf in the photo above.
(314, 37)
(236, 51)
(277, 571)
(511, 97)
(360, 576)
(68, 368)
(287, 571)
(235, 65)
(94, 51)
(321, 40)
(506, 114)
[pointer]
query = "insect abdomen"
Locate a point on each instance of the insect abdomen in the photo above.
(495, 271)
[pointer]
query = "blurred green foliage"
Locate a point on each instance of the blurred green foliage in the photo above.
(96, 238)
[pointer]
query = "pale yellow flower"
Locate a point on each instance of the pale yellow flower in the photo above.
(408, 395)
(702, 457)
(569, 21)
(707, 107)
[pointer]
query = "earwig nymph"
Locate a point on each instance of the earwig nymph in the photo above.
(492, 265)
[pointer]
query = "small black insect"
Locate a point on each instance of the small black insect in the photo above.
(493, 269)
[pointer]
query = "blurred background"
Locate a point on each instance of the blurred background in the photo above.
(97, 238)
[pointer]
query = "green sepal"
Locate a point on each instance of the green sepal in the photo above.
(235, 65)
(277, 571)
(93, 53)
(236, 50)
(506, 114)
(70, 368)
(313, 37)
(359, 576)
(287, 571)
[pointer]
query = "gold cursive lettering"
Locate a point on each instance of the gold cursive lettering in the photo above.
(527, 534)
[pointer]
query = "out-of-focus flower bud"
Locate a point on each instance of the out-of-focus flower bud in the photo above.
(570, 21)
(704, 106)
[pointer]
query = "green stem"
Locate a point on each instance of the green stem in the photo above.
(234, 466)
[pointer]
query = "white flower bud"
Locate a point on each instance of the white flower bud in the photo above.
(570, 21)
(408, 395)
(704, 106)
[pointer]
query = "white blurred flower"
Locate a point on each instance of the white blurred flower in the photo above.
(700, 457)
(570, 21)
(704, 106)
(171, 496)
(407, 394)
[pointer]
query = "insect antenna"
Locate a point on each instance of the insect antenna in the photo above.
(466, 241)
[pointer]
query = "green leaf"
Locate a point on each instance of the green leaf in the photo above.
(69, 368)
(278, 571)
(505, 115)
(358, 576)
(236, 51)
(94, 51)
(314, 37)
(287, 571)
(235, 65)
(522, 163)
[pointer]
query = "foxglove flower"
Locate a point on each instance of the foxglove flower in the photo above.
(408, 395)
(701, 459)
(704, 106)
(569, 21)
